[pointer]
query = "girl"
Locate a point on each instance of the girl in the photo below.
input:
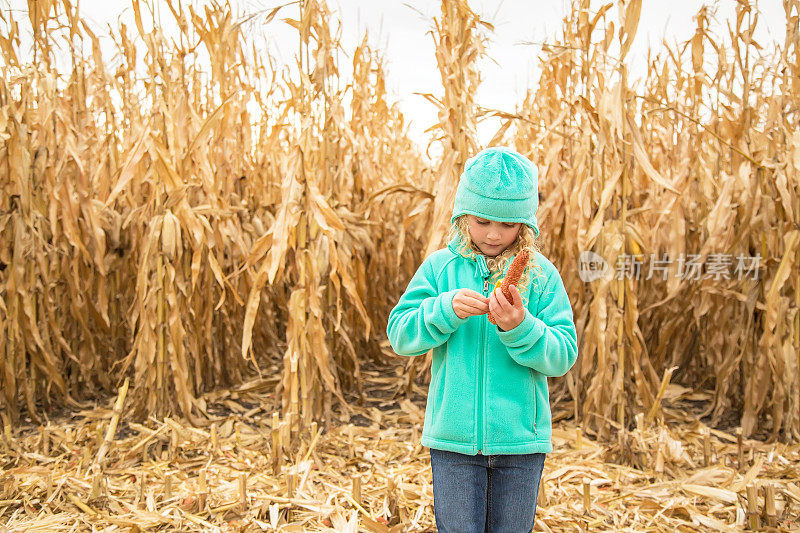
(487, 418)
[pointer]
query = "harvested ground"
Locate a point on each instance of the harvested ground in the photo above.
(165, 475)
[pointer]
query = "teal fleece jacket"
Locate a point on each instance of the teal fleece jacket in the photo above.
(488, 392)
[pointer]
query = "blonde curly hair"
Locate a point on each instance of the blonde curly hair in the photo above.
(526, 240)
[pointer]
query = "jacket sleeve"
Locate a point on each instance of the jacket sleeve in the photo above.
(423, 318)
(546, 342)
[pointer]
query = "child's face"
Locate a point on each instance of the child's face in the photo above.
(490, 236)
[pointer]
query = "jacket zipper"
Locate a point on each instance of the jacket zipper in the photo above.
(483, 358)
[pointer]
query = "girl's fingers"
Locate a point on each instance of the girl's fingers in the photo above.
(501, 299)
(494, 306)
(476, 304)
(516, 296)
(470, 308)
(493, 302)
(481, 302)
(480, 298)
(473, 294)
(484, 305)
(475, 308)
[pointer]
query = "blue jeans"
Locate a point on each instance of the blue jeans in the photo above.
(485, 493)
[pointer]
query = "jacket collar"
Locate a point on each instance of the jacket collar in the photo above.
(479, 262)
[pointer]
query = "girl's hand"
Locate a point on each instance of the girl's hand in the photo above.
(507, 315)
(468, 303)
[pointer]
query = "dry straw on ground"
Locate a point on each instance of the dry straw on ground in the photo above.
(371, 474)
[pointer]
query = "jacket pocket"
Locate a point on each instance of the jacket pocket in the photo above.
(532, 385)
(436, 388)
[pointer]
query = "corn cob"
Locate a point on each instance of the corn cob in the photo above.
(513, 276)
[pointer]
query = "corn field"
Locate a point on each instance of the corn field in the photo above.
(187, 211)
(701, 159)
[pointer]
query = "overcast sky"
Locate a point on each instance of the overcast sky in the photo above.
(401, 32)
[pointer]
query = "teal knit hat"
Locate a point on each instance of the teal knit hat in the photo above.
(500, 184)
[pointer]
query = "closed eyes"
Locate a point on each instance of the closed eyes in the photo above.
(485, 222)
